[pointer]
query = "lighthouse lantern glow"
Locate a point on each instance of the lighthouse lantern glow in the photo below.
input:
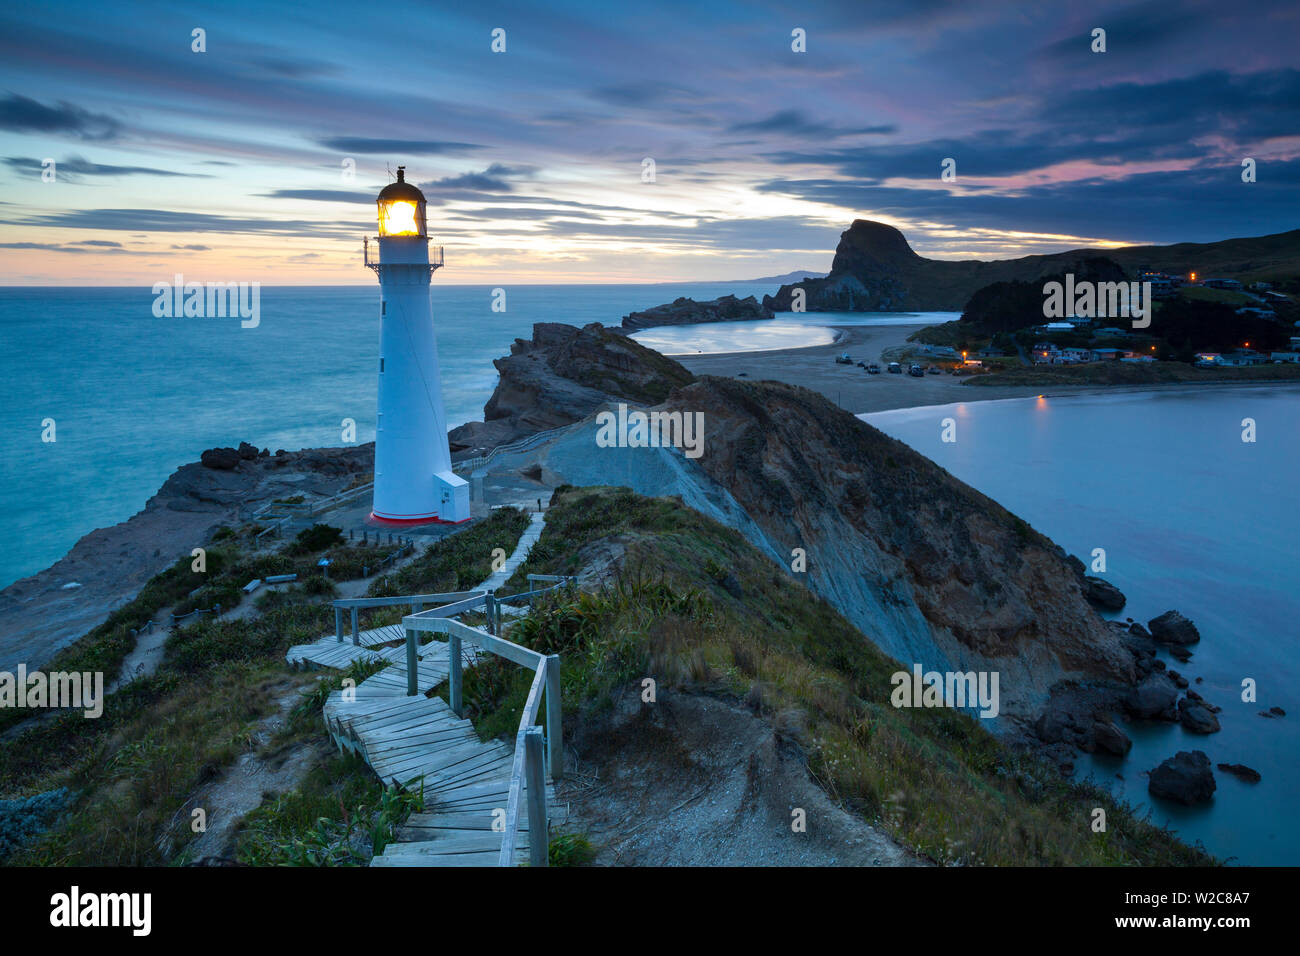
(399, 217)
(414, 482)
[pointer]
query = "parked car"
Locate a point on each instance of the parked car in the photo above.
(873, 369)
(895, 368)
(933, 370)
(916, 371)
(843, 359)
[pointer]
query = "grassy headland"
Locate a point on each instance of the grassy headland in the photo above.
(700, 609)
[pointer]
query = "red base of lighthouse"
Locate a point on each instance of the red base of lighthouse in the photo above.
(408, 522)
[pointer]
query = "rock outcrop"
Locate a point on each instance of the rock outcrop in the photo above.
(1108, 737)
(560, 376)
(684, 311)
(1185, 777)
(1103, 594)
(1156, 698)
(876, 270)
(1172, 628)
(1241, 772)
(1197, 717)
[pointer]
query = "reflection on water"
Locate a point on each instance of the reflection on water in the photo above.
(1192, 518)
(789, 330)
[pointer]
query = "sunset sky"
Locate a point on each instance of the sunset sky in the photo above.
(230, 164)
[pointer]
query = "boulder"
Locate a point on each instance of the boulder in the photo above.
(1172, 628)
(246, 451)
(1110, 738)
(1103, 594)
(1185, 777)
(1155, 698)
(1241, 771)
(1053, 725)
(1197, 717)
(220, 459)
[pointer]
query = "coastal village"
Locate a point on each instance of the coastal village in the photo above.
(1083, 340)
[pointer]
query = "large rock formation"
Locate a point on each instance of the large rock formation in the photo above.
(929, 569)
(562, 375)
(684, 311)
(876, 270)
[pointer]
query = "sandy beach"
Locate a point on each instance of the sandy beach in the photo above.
(848, 386)
(854, 390)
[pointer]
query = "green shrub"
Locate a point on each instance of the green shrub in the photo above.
(316, 538)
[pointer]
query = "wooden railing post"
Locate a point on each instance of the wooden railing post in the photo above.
(356, 638)
(535, 777)
(453, 672)
(412, 675)
(554, 718)
(490, 606)
(338, 624)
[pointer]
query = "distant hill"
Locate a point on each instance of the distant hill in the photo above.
(798, 275)
(875, 269)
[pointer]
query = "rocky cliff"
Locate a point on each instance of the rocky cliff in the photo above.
(684, 311)
(875, 270)
(930, 570)
(560, 376)
(890, 535)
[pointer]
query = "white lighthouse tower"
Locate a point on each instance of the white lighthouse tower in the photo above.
(414, 483)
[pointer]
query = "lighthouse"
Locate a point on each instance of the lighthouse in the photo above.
(414, 483)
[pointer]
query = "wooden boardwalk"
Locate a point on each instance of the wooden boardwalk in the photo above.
(417, 742)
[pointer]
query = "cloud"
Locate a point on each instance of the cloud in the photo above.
(76, 166)
(412, 147)
(162, 220)
(21, 114)
(797, 123)
(322, 195)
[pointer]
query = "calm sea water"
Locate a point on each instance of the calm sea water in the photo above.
(1192, 518)
(133, 397)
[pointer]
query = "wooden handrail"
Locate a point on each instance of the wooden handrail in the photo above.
(529, 764)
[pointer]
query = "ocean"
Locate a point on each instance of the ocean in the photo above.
(1191, 518)
(133, 397)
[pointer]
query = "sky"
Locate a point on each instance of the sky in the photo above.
(259, 157)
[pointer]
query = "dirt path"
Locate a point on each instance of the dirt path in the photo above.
(255, 775)
(694, 780)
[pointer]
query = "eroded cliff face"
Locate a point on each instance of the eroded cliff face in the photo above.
(930, 569)
(562, 375)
